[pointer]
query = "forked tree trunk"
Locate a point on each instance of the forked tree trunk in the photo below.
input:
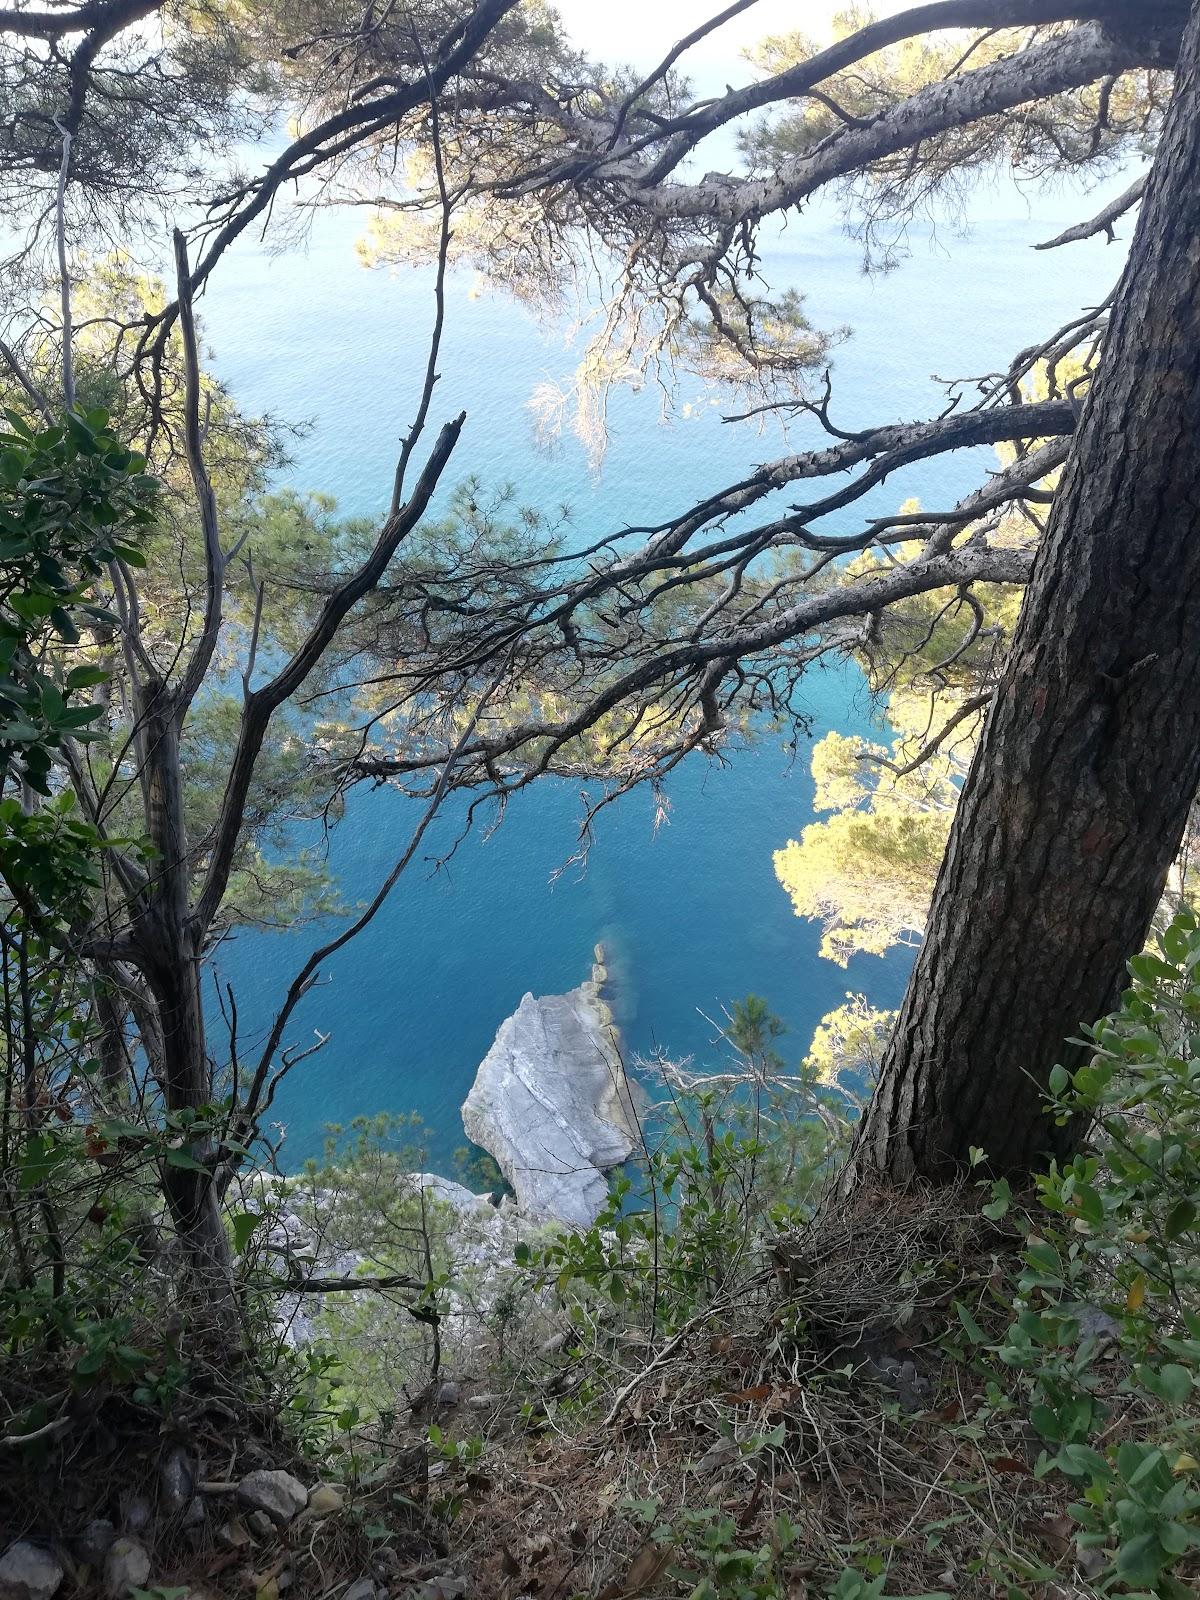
(1079, 791)
(169, 956)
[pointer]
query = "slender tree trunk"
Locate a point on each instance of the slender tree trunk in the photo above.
(1078, 796)
(170, 958)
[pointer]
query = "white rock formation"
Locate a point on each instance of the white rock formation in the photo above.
(552, 1105)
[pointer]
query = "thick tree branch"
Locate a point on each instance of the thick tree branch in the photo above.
(1049, 67)
(975, 561)
(106, 17)
(880, 35)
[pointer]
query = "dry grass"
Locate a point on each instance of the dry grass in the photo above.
(830, 1385)
(816, 1347)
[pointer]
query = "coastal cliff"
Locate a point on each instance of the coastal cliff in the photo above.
(552, 1105)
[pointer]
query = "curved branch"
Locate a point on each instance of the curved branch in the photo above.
(977, 702)
(1103, 221)
(261, 704)
(214, 558)
(1050, 67)
(341, 132)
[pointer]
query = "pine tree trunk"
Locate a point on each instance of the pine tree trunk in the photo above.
(1077, 799)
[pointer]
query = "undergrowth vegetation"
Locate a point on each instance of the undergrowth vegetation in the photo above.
(961, 1391)
(734, 1386)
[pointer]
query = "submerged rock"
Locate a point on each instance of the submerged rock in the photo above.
(552, 1105)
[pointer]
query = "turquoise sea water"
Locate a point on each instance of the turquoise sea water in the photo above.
(690, 911)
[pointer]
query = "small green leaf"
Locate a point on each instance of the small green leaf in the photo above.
(180, 1158)
(243, 1224)
(1001, 1199)
(1174, 1384)
(974, 1332)
(85, 677)
(1140, 1559)
(1180, 1218)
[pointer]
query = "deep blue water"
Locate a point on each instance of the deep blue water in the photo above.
(691, 911)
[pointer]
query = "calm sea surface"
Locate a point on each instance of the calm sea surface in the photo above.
(690, 912)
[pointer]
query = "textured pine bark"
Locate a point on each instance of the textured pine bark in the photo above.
(1079, 792)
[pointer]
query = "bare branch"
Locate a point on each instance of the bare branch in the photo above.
(206, 500)
(968, 709)
(13, 362)
(337, 133)
(64, 276)
(1103, 221)
(305, 978)
(261, 705)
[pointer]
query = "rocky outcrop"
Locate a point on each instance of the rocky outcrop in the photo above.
(552, 1105)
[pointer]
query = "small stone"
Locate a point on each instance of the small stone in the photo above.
(178, 1478)
(136, 1514)
(126, 1567)
(196, 1514)
(441, 1589)
(361, 1589)
(483, 1402)
(233, 1535)
(324, 1498)
(276, 1492)
(260, 1524)
(94, 1543)
(28, 1572)
(1097, 1324)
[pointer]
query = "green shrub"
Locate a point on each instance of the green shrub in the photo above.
(1107, 1332)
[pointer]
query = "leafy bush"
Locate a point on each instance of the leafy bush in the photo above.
(736, 1156)
(1108, 1325)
